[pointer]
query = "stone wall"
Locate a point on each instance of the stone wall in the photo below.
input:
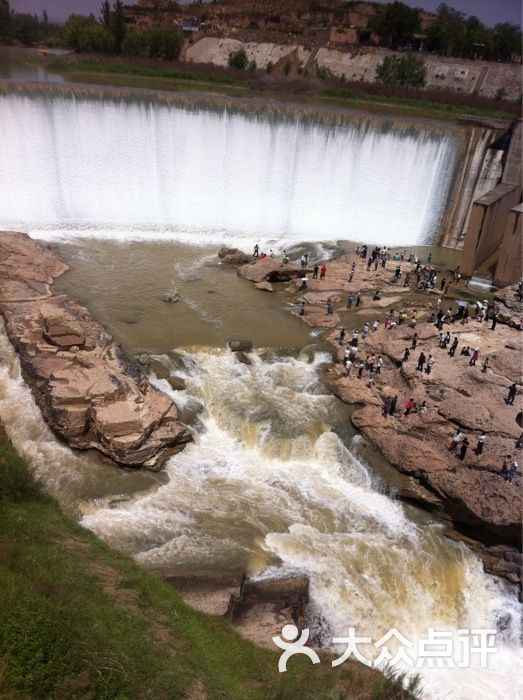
(459, 75)
(216, 51)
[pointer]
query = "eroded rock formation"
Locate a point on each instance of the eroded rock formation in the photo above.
(89, 393)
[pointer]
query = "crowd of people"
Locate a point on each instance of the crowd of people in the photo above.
(420, 277)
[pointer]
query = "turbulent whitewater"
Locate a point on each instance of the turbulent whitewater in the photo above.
(270, 486)
(205, 174)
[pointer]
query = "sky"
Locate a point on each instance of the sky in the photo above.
(489, 11)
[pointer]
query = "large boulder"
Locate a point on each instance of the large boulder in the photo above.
(234, 256)
(260, 270)
(238, 345)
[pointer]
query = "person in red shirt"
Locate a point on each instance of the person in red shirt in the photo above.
(323, 272)
(409, 406)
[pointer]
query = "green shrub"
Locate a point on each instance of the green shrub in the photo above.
(85, 34)
(163, 43)
(238, 59)
(135, 44)
(404, 70)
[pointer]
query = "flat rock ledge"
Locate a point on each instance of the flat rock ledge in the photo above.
(90, 395)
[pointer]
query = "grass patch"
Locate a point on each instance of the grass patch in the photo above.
(120, 68)
(416, 107)
(81, 621)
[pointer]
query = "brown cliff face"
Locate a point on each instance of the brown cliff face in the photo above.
(89, 393)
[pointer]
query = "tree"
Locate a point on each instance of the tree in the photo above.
(135, 44)
(404, 70)
(395, 23)
(85, 34)
(447, 31)
(106, 13)
(118, 24)
(238, 59)
(164, 43)
(5, 18)
(25, 28)
(506, 40)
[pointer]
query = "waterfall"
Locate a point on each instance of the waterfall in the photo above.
(134, 167)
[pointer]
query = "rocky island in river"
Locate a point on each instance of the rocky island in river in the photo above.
(90, 394)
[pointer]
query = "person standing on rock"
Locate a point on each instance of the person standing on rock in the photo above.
(456, 439)
(348, 365)
(352, 271)
(365, 330)
(341, 338)
(354, 339)
(406, 355)
(393, 405)
(302, 309)
(430, 364)
(442, 284)
(386, 405)
(323, 272)
(349, 301)
(303, 282)
(510, 472)
(414, 341)
(315, 272)
(358, 299)
(494, 321)
(512, 391)
(421, 361)
(256, 251)
(481, 443)
(360, 370)
(378, 365)
(464, 447)
(485, 366)
(375, 325)
(330, 306)
(453, 347)
(474, 358)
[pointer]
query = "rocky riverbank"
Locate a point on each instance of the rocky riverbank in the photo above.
(472, 493)
(89, 393)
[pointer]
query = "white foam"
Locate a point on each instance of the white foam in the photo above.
(126, 170)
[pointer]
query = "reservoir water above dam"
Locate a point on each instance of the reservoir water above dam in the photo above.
(276, 479)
